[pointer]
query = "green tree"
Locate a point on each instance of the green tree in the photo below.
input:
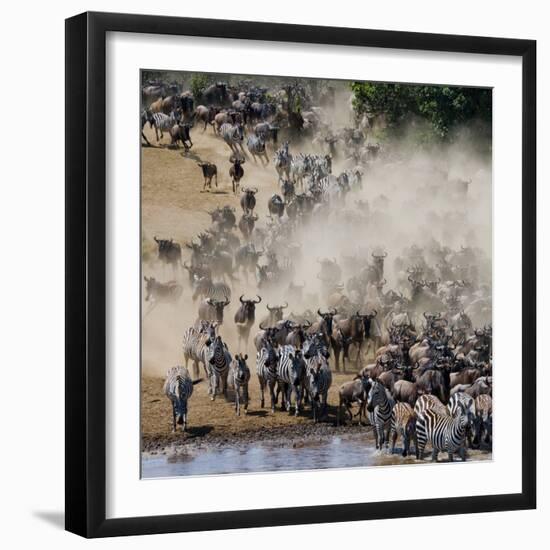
(443, 107)
(199, 81)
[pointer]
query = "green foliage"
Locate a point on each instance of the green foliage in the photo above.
(199, 81)
(444, 108)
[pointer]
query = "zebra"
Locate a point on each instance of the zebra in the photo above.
(164, 123)
(217, 366)
(445, 433)
(206, 288)
(282, 161)
(379, 407)
(462, 399)
(300, 167)
(403, 423)
(239, 376)
(256, 146)
(196, 341)
(233, 135)
(318, 382)
(290, 375)
(178, 387)
(266, 369)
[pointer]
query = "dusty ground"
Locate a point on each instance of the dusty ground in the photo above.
(217, 420)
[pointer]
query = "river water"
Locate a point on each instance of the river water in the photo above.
(336, 452)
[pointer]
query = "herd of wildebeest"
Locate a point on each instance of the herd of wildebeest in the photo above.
(419, 351)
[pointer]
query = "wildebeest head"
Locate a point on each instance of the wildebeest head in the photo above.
(247, 310)
(218, 306)
(150, 285)
(327, 318)
(276, 312)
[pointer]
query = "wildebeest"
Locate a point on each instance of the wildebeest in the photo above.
(245, 317)
(248, 200)
(353, 391)
(157, 292)
(212, 310)
(276, 206)
(246, 224)
(209, 171)
(169, 252)
(205, 115)
(181, 132)
(236, 171)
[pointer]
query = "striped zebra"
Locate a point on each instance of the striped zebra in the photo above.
(266, 369)
(445, 433)
(256, 146)
(217, 366)
(318, 382)
(462, 399)
(282, 161)
(196, 340)
(483, 418)
(178, 387)
(164, 123)
(300, 167)
(239, 377)
(423, 403)
(403, 423)
(379, 407)
(206, 288)
(290, 375)
(233, 135)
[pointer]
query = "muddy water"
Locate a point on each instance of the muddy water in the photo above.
(336, 452)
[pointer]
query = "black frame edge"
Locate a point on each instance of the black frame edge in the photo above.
(76, 494)
(85, 274)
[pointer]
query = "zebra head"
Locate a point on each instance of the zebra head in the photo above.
(241, 368)
(376, 395)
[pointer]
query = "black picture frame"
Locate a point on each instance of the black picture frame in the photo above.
(86, 274)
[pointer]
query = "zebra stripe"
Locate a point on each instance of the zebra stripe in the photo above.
(164, 123)
(379, 406)
(403, 423)
(445, 433)
(217, 291)
(218, 360)
(266, 369)
(195, 344)
(318, 382)
(290, 374)
(178, 387)
(239, 377)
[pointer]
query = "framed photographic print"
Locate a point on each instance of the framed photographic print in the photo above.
(300, 274)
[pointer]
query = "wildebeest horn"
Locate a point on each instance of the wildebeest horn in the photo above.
(241, 298)
(285, 306)
(319, 312)
(269, 308)
(262, 326)
(335, 311)
(259, 299)
(374, 313)
(307, 324)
